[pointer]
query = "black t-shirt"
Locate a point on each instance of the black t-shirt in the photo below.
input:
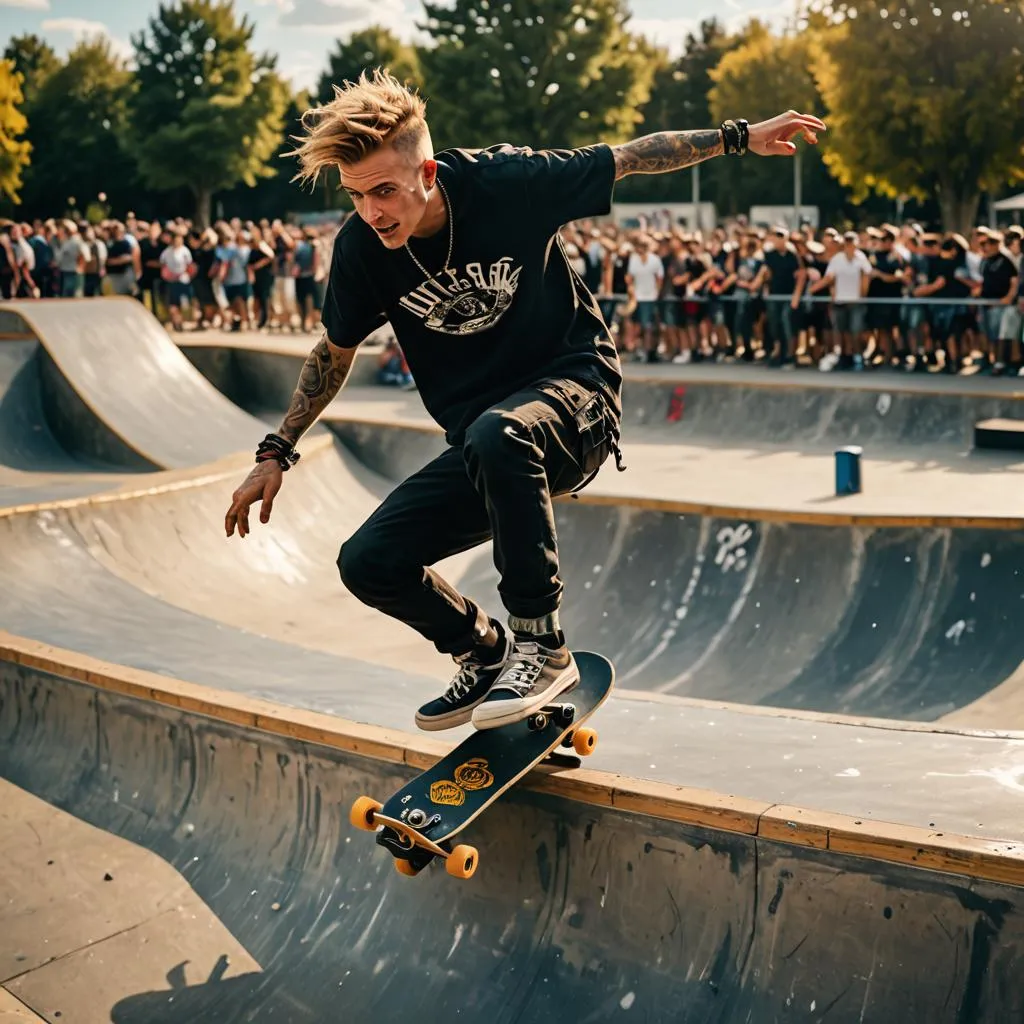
(886, 263)
(997, 276)
(118, 248)
(783, 265)
(149, 251)
(511, 311)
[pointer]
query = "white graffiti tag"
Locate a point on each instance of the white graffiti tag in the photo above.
(732, 554)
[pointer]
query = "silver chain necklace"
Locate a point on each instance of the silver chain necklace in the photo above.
(451, 238)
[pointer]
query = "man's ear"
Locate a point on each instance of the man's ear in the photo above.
(429, 173)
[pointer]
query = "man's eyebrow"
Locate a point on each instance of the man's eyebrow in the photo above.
(376, 188)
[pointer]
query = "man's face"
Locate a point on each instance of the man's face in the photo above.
(390, 189)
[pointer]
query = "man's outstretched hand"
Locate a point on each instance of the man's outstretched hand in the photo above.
(262, 485)
(774, 136)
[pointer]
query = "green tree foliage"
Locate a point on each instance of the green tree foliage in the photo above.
(207, 112)
(34, 59)
(77, 121)
(534, 72)
(925, 99)
(14, 151)
(758, 79)
(365, 50)
(679, 100)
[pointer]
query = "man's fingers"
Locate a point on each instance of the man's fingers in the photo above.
(269, 493)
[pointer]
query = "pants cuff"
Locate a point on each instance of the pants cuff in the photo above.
(535, 627)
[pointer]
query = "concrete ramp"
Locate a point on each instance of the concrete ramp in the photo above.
(122, 391)
(579, 911)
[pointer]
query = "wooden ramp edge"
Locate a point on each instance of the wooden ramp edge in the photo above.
(978, 858)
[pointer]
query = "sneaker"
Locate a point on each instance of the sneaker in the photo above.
(470, 686)
(533, 677)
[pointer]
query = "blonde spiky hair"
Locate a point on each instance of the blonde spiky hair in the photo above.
(375, 111)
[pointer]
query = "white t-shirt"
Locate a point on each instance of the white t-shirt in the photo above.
(847, 274)
(645, 274)
(177, 259)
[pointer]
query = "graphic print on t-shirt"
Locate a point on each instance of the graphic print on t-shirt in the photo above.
(454, 303)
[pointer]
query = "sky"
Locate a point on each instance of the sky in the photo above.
(302, 32)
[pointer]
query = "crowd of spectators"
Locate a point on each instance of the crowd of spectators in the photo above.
(883, 297)
(236, 275)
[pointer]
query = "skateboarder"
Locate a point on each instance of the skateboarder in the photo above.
(460, 252)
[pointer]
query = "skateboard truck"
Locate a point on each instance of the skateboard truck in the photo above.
(411, 848)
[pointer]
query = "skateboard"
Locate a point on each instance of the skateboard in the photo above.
(418, 823)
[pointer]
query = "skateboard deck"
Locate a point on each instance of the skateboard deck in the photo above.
(418, 822)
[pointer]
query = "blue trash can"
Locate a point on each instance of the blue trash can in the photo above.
(848, 469)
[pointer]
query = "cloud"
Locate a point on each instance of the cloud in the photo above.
(342, 13)
(82, 28)
(32, 5)
(669, 33)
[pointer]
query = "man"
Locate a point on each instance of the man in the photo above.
(887, 280)
(848, 273)
(786, 280)
(644, 275)
(459, 252)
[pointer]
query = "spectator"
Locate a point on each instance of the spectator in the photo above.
(95, 261)
(848, 274)
(999, 284)
(305, 260)
(24, 261)
(233, 260)
(886, 282)
(121, 262)
(204, 273)
(392, 369)
(9, 279)
(72, 255)
(261, 276)
(175, 263)
(644, 276)
(785, 278)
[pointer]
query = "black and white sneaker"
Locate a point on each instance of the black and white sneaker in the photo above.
(470, 686)
(533, 677)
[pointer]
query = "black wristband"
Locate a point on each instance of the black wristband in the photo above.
(275, 447)
(735, 137)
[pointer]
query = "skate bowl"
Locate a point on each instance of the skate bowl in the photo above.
(837, 693)
(597, 897)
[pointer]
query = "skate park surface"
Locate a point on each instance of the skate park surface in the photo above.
(805, 800)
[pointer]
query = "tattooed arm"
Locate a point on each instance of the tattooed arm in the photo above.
(666, 151)
(323, 374)
(670, 151)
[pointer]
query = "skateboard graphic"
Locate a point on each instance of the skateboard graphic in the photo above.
(418, 823)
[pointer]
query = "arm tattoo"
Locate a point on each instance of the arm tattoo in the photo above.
(323, 374)
(666, 151)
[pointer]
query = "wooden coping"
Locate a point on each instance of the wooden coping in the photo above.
(996, 861)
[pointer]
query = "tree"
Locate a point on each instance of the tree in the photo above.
(76, 126)
(14, 152)
(679, 100)
(534, 72)
(762, 77)
(207, 112)
(925, 99)
(34, 59)
(365, 50)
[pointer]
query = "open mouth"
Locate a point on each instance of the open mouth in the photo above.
(385, 232)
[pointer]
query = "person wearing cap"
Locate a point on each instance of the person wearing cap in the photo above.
(998, 285)
(929, 282)
(814, 316)
(887, 276)
(848, 274)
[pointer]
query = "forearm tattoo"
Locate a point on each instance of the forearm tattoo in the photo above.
(666, 151)
(322, 377)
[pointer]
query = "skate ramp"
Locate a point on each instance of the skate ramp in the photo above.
(578, 911)
(118, 390)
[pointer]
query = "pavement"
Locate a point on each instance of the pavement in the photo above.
(844, 672)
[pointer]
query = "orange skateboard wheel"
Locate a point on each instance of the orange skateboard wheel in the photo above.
(584, 741)
(403, 867)
(462, 861)
(362, 813)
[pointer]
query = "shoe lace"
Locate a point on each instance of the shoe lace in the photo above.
(526, 664)
(468, 676)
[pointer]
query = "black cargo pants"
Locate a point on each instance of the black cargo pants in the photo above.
(545, 440)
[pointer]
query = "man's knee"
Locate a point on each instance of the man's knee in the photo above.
(360, 564)
(492, 437)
